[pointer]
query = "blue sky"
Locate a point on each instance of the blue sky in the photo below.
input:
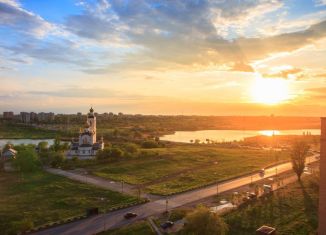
(169, 57)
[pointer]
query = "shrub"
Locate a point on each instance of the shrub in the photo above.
(149, 144)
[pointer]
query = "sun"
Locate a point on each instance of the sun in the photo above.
(270, 90)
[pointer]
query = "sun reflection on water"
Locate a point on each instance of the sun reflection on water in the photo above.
(269, 132)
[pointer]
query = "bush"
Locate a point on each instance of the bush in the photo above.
(201, 222)
(131, 148)
(116, 152)
(56, 159)
(26, 160)
(149, 144)
(110, 153)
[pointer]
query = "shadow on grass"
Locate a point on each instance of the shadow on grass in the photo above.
(310, 207)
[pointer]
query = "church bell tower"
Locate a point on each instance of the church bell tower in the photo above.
(91, 120)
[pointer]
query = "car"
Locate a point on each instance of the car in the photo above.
(130, 215)
(252, 196)
(167, 224)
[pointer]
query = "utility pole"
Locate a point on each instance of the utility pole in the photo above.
(216, 188)
(139, 193)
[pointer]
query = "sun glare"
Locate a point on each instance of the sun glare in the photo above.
(269, 132)
(270, 91)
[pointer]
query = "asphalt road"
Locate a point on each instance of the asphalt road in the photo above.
(115, 219)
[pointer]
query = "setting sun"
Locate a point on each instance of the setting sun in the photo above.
(270, 91)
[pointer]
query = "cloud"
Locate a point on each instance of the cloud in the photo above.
(60, 51)
(14, 16)
(242, 67)
(316, 95)
(320, 2)
(286, 73)
(158, 34)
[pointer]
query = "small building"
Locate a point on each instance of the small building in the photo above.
(266, 230)
(6, 157)
(87, 145)
(9, 154)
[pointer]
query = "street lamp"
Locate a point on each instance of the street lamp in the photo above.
(85, 173)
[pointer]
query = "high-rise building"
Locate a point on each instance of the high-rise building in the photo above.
(8, 115)
(322, 182)
(25, 117)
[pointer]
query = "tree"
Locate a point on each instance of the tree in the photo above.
(43, 146)
(116, 152)
(7, 146)
(56, 158)
(103, 154)
(26, 160)
(203, 222)
(149, 144)
(56, 145)
(298, 157)
(131, 148)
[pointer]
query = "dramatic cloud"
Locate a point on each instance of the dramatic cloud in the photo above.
(14, 16)
(63, 51)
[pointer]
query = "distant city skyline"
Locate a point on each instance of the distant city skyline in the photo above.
(250, 57)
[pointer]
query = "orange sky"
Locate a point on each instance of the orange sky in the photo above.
(157, 57)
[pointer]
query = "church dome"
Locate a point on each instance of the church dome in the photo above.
(91, 110)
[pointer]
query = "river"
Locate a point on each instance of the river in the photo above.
(230, 135)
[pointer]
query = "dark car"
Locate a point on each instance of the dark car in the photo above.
(167, 224)
(130, 215)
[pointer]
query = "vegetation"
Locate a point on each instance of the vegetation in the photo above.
(298, 157)
(180, 167)
(202, 222)
(16, 131)
(44, 198)
(137, 228)
(139, 127)
(291, 210)
(26, 160)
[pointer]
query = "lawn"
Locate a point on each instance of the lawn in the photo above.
(42, 198)
(137, 228)
(182, 167)
(292, 211)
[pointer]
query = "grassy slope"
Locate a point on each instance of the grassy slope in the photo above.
(293, 211)
(137, 228)
(44, 198)
(183, 167)
(20, 131)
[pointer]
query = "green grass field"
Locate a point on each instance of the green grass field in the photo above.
(43, 198)
(137, 228)
(15, 131)
(292, 211)
(182, 167)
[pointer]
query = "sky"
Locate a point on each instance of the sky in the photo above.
(194, 57)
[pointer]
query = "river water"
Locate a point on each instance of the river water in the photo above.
(230, 135)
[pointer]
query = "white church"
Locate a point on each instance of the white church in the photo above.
(87, 146)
